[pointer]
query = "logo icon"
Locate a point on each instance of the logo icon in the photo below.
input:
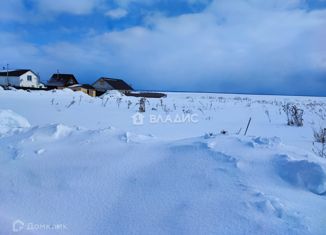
(18, 226)
(138, 119)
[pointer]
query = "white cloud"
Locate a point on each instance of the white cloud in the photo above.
(125, 3)
(11, 10)
(17, 11)
(67, 6)
(117, 13)
(243, 46)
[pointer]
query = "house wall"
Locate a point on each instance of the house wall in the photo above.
(71, 82)
(92, 93)
(21, 81)
(86, 91)
(13, 81)
(83, 90)
(102, 86)
(78, 89)
(25, 83)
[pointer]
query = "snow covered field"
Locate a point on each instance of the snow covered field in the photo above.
(72, 164)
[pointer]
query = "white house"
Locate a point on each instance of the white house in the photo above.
(20, 78)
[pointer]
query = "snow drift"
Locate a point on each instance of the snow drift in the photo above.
(305, 174)
(72, 167)
(11, 122)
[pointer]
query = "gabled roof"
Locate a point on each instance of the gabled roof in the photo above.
(60, 79)
(62, 76)
(117, 84)
(15, 73)
(86, 86)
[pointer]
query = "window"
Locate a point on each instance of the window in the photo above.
(70, 82)
(29, 77)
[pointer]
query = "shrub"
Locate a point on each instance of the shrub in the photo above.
(320, 136)
(319, 144)
(294, 115)
(142, 104)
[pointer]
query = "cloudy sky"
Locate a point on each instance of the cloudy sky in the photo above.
(243, 46)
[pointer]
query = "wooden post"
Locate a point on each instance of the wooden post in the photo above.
(247, 126)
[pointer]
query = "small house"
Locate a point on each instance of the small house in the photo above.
(87, 89)
(60, 81)
(24, 78)
(105, 84)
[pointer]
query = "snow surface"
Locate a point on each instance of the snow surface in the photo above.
(73, 160)
(11, 122)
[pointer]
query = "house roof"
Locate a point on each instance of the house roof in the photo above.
(60, 79)
(14, 73)
(86, 86)
(117, 84)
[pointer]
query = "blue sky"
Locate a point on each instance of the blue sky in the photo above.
(243, 46)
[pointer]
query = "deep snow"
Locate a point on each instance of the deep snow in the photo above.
(69, 159)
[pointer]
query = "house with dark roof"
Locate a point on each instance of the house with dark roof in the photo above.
(60, 81)
(87, 89)
(24, 78)
(104, 84)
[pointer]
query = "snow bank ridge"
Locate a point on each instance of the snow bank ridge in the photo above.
(53, 131)
(200, 149)
(11, 122)
(130, 137)
(305, 174)
(260, 142)
(268, 142)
